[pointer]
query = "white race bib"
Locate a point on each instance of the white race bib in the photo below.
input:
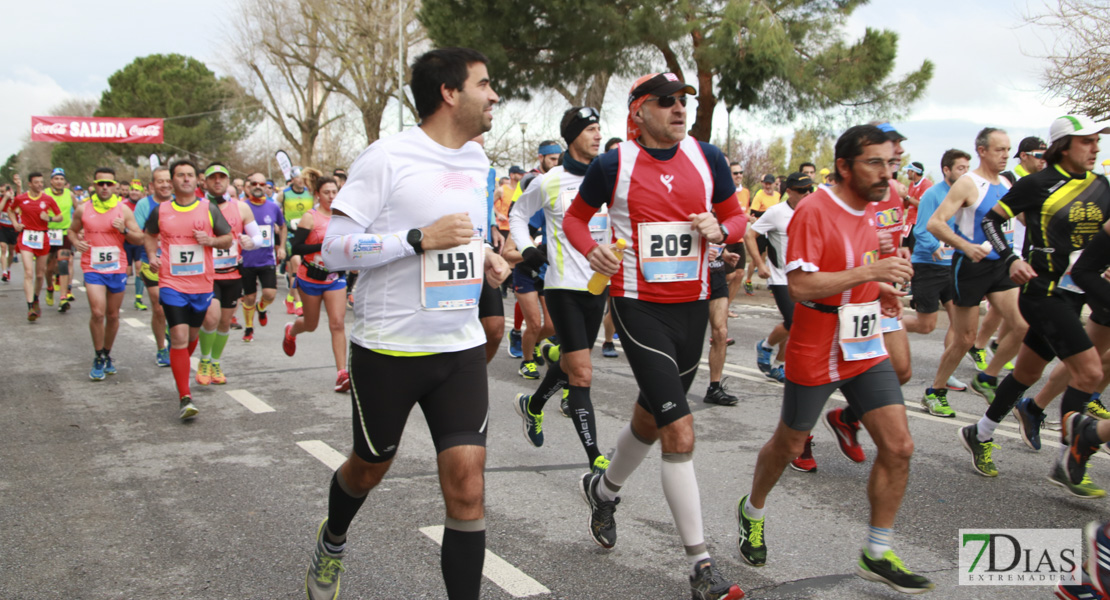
(861, 335)
(946, 251)
(267, 236)
(33, 239)
(4, 218)
(1066, 282)
(452, 279)
(186, 260)
(890, 324)
(57, 237)
(104, 258)
(669, 252)
(226, 259)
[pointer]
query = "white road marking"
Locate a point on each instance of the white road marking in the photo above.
(250, 401)
(323, 452)
(133, 322)
(194, 362)
(498, 570)
(151, 338)
(81, 287)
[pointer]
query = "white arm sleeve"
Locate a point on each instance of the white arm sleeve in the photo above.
(255, 233)
(348, 246)
(521, 212)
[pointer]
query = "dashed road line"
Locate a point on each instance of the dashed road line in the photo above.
(132, 321)
(323, 453)
(498, 570)
(250, 401)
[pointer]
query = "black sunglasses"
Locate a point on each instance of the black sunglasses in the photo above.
(668, 101)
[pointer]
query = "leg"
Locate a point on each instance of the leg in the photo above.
(965, 320)
(1006, 303)
(40, 273)
(529, 304)
(311, 317)
(990, 324)
(886, 487)
(718, 323)
(494, 327)
(785, 445)
(111, 319)
(97, 307)
(464, 534)
(157, 318)
(336, 303)
(29, 290)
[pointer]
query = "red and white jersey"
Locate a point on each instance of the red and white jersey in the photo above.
(226, 262)
(826, 235)
(105, 255)
(890, 217)
(655, 197)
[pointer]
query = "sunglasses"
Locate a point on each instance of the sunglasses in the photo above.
(105, 182)
(255, 184)
(668, 101)
(737, 172)
(1037, 154)
(589, 112)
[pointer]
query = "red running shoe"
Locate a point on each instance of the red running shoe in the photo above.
(343, 381)
(262, 318)
(288, 307)
(289, 344)
(845, 435)
(805, 463)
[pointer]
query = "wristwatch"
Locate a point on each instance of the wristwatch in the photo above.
(415, 239)
(724, 232)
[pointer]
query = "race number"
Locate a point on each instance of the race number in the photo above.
(104, 258)
(452, 279)
(33, 239)
(267, 236)
(186, 260)
(226, 258)
(57, 237)
(860, 329)
(669, 252)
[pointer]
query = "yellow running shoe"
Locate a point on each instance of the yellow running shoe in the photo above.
(204, 372)
(217, 375)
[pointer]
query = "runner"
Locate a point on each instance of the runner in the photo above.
(294, 201)
(977, 271)
(30, 213)
(720, 258)
(318, 284)
(491, 309)
(184, 232)
(260, 264)
(763, 199)
(161, 191)
(932, 274)
(576, 313)
(660, 188)
(1065, 207)
(227, 286)
(412, 204)
(7, 235)
(134, 251)
(919, 184)
(57, 266)
(736, 273)
(837, 279)
(98, 232)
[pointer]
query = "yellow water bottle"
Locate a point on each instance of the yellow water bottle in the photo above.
(600, 280)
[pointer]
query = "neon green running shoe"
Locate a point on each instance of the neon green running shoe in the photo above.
(890, 570)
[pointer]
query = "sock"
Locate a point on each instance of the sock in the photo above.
(680, 487)
(553, 380)
(179, 364)
(100, 353)
(218, 344)
(765, 346)
(248, 314)
(582, 413)
(1088, 435)
(518, 317)
(848, 416)
(984, 378)
(1036, 410)
(289, 296)
(207, 339)
(713, 385)
(262, 305)
(30, 305)
(342, 507)
(752, 512)
(192, 344)
(139, 287)
(1005, 397)
(985, 429)
(462, 556)
(879, 540)
(1073, 401)
(630, 452)
(994, 345)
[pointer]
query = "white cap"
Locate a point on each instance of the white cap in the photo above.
(1074, 125)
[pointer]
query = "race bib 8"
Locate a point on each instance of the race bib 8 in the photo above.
(57, 237)
(452, 279)
(267, 236)
(226, 259)
(669, 252)
(33, 239)
(186, 260)
(861, 336)
(104, 258)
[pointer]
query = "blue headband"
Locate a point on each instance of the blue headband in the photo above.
(551, 149)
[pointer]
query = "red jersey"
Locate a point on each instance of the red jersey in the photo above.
(826, 235)
(226, 262)
(890, 217)
(316, 236)
(917, 190)
(30, 208)
(105, 255)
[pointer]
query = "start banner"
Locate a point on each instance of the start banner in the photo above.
(96, 129)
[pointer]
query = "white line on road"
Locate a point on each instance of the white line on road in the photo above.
(498, 570)
(323, 452)
(81, 287)
(250, 401)
(151, 338)
(132, 321)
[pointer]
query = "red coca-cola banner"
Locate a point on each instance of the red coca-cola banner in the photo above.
(96, 129)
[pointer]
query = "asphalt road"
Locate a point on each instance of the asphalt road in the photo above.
(105, 494)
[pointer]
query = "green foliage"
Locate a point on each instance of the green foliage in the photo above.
(170, 86)
(776, 155)
(9, 168)
(80, 159)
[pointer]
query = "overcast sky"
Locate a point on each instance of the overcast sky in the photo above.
(986, 73)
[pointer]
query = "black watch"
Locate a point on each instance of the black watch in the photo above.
(415, 239)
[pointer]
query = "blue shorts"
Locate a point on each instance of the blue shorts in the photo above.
(115, 282)
(524, 282)
(136, 253)
(318, 289)
(198, 303)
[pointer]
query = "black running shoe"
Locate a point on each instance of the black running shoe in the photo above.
(707, 583)
(720, 396)
(890, 570)
(603, 529)
(752, 547)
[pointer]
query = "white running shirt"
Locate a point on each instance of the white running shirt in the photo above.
(774, 224)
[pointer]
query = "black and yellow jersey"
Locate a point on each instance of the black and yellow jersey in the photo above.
(1063, 212)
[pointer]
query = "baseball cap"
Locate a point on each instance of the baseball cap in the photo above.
(799, 181)
(214, 169)
(58, 171)
(78, 188)
(891, 133)
(1074, 125)
(768, 179)
(515, 170)
(824, 172)
(659, 84)
(1029, 144)
(916, 167)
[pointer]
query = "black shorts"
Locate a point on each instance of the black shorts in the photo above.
(875, 388)
(785, 304)
(736, 249)
(178, 315)
(762, 243)
(450, 387)
(932, 287)
(228, 291)
(252, 277)
(1098, 316)
(576, 316)
(135, 253)
(489, 303)
(524, 282)
(974, 280)
(663, 343)
(1055, 329)
(718, 285)
(8, 236)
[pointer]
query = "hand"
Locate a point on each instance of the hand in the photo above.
(18, 226)
(119, 224)
(534, 258)
(975, 252)
(1021, 272)
(45, 216)
(938, 255)
(155, 264)
(904, 252)
(498, 239)
(448, 232)
(763, 271)
(281, 253)
(712, 253)
(203, 238)
(706, 224)
(890, 301)
(497, 270)
(731, 259)
(886, 243)
(246, 242)
(602, 260)
(81, 246)
(899, 188)
(893, 269)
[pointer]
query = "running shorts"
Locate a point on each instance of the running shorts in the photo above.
(663, 343)
(718, 285)
(974, 280)
(932, 287)
(737, 248)
(115, 282)
(228, 292)
(450, 387)
(8, 236)
(45, 251)
(876, 387)
(183, 309)
(524, 282)
(576, 316)
(254, 276)
(489, 303)
(135, 253)
(781, 294)
(318, 289)
(1055, 329)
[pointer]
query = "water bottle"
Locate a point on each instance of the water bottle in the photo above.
(600, 280)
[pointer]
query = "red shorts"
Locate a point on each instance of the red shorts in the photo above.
(37, 252)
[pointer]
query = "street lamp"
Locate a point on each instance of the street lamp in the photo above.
(523, 145)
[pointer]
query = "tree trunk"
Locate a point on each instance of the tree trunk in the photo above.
(372, 119)
(707, 99)
(595, 93)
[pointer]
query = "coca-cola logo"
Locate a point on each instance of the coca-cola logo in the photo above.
(49, 128)
(148, 131)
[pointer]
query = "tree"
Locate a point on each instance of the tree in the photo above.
(204, 114)
(1078, 66)
(9, 168)
(803, 147)
(776, 156)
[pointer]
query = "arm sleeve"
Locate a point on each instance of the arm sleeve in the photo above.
(601, 177)
(530, 201)
(254, 232)
(723, 186)
(348, 246)
(299, 245)
(1087, 272)
(151, 226)
(992, 228)
(732, 217)
(220, 226)
(576, 224)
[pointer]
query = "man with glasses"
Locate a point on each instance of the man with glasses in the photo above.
(665, 192)
(735, 273)
(259, 266)
(978, 273)
(30, 213)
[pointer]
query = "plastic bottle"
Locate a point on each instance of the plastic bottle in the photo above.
(600, 280)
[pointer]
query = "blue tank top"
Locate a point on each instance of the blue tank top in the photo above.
(969, 218)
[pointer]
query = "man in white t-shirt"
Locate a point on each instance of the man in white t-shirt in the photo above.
(415, 203)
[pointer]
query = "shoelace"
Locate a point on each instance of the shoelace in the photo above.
(605, 510)
(326, 568)
(1097, 406)
(896, 563)
(988, 448)
(537, 419)
(713, 577)
(755, 536)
